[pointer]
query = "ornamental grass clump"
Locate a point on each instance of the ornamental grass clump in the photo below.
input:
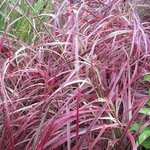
(78, 82)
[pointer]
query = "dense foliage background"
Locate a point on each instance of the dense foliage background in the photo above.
(74, 75)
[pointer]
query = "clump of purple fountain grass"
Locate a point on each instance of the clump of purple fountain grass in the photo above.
(80, 87)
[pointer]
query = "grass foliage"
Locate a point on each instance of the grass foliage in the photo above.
(73, 75)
